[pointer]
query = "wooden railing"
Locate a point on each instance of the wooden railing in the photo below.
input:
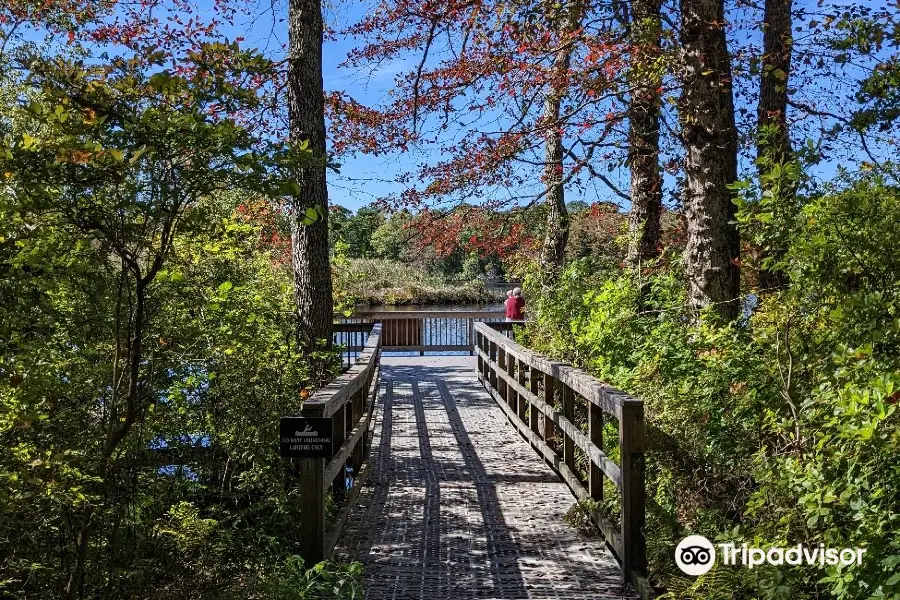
(349, 401)
(414, 330)
(529, 387)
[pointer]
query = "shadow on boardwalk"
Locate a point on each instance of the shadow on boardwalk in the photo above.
(459, 506)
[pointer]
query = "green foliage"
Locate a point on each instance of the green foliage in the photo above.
(775, 430)
(769, 206)
(471, 267)
(355, 231)
(391, 237)
(718, 584)
(188, 530)
(324, 581)
(859, 31)
(147, 343)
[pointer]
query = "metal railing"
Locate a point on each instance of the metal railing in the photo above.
(413, 330)
(529, 388)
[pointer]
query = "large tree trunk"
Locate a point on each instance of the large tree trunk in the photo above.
(553, 253)
(643, 134)
(774, 142)
(706, 114)
(306, 110)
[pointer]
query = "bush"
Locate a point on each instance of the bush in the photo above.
(325, 581)
(778, 429)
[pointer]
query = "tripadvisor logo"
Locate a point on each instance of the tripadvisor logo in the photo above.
(696, 555)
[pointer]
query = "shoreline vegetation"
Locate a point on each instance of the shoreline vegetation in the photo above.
(383, 282)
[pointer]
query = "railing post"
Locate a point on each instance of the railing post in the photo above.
(471, 338)
(631, 447)
(312, 509)
(549, 388)
(359, 407)
(568, 406)
(595, 429)
(476, 341)
(512, 397)
(523, 401)
(339, 432)
(501, 366)
(421, 323)
(534, 387)
(489, 356)
(492, 366)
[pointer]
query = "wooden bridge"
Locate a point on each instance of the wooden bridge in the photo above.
(451, 476)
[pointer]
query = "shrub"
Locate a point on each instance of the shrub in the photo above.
(778, 429)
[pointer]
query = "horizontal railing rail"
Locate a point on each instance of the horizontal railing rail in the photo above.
(349, 401)
(529, 388)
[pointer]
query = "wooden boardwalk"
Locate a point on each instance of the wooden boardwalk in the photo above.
(459, 506)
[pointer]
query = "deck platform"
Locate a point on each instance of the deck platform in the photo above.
(458, 506)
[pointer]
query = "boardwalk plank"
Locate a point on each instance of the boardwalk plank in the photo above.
(459, 506)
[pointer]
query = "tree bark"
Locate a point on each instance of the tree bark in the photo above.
(306, 112)
(709, 135)
(776, 68)
(556, 234)
(643, 135)
(553, 252)
(774, 142)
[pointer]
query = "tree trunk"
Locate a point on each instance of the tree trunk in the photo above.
(306, 111)
(774, 142)
(708, 131)
(553, 253)
(556, 236)
(643, 135)
(776, 68)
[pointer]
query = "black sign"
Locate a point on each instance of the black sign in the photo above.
(305, 438)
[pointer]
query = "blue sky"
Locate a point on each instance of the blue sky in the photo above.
(366, 178)
(363, 179)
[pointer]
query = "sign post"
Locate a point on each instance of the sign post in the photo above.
(311, 441)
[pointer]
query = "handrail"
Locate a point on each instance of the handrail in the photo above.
(349, 401)
(526, 386)
(330, 398)
(415, 330)
(381, 315)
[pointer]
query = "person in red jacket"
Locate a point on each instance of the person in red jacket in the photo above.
(515, 305)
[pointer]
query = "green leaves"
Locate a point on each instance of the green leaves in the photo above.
(127, 180)
(800, 402)
(29, 142)
(311, 215)
(290, 188)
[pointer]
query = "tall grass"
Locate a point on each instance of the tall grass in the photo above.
(379, 281)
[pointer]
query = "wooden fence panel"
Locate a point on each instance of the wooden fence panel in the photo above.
(502, 368)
